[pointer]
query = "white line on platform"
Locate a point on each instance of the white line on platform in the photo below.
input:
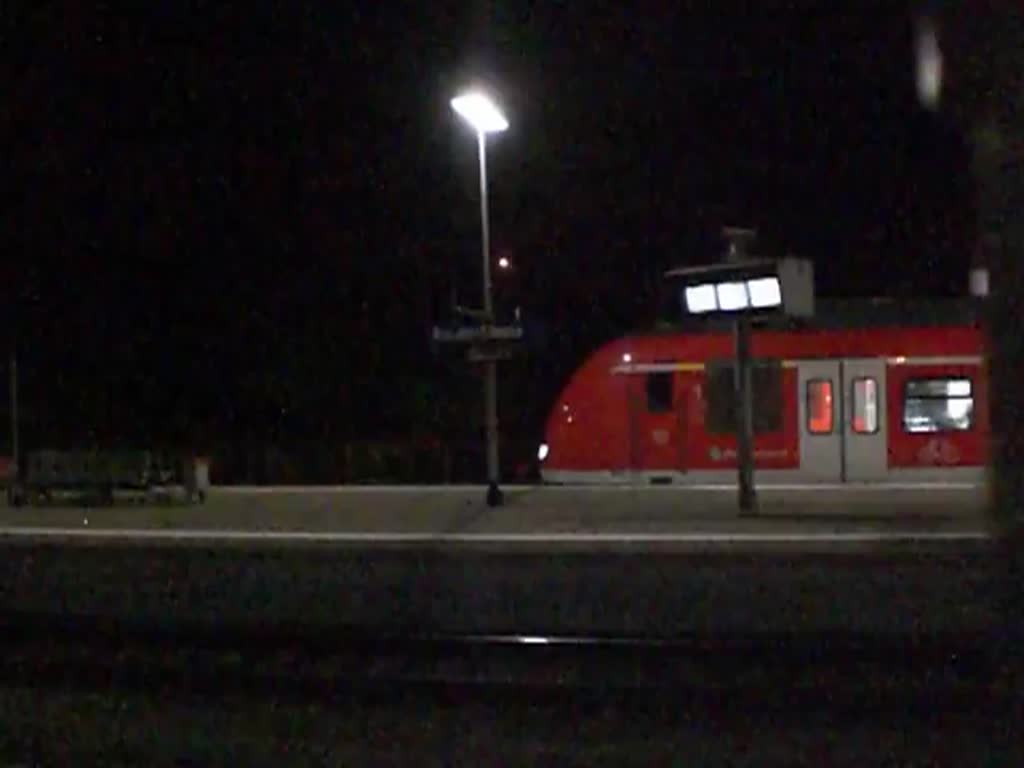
(391, 537)
(272, 489)
(717, 487)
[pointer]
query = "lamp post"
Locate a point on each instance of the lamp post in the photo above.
(738, 239)
(740, 288)
(15, 446)
(483, 115)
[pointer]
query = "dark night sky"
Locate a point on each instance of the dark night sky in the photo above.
(240, 219)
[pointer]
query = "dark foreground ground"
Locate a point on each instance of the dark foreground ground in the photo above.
(190, 655)
(854, 716)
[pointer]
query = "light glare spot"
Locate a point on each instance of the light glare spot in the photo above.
(929, 65)
(765, 292)
(731, 296)
(700, 298)
(958, 388)
(480, 112)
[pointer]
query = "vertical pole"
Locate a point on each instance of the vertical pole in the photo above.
(1000, 184)
(14, 415)
(988, 45)
(490, 365)
(485, 229)
(744, 400)
(454, 294)
(744, 416)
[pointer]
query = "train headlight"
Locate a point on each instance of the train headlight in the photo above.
(542, 452)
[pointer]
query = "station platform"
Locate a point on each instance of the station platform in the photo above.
(538, 515)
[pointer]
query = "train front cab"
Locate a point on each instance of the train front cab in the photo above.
(587, 435)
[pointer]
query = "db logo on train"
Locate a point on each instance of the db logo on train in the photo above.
(938, 451)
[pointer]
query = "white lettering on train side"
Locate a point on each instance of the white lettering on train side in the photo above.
(726, 454)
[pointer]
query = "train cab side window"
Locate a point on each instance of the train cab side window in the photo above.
(766, 389)
(659, 392)
(819, 406)
(865, 406)
(938, 405)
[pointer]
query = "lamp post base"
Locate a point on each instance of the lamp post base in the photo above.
(747, 503)
(495, 497)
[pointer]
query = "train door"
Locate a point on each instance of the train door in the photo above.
(865, 444)
(842, 424)
(657, 408)
(683, 405)
(821, 421)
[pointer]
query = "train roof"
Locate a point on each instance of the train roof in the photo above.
(847, 314)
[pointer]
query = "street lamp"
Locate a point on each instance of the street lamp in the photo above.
(477, 109)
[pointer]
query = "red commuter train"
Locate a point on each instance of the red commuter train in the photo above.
(876, 391)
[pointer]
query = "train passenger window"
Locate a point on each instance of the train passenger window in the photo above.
(766, 388)
(819, 406)
(766, 383)
(938, 405)
(720, 415)
(659, 392)
(865, 406)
